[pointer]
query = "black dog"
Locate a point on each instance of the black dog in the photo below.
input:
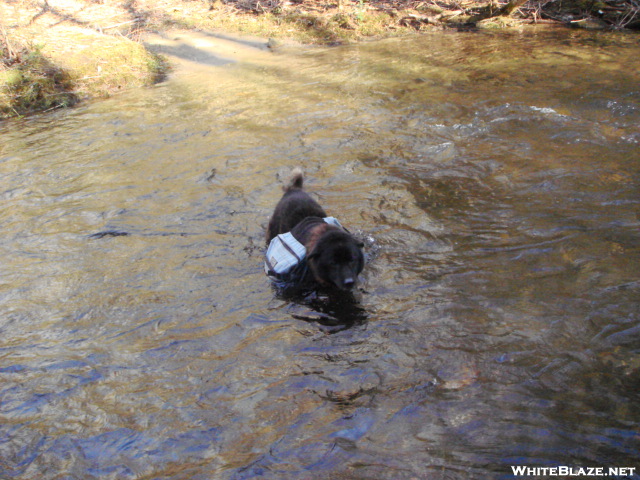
(309, 245)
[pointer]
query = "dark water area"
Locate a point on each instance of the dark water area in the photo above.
(495, 179)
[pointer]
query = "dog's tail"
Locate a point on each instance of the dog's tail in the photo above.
(296, 180)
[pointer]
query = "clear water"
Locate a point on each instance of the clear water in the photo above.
(495, 178)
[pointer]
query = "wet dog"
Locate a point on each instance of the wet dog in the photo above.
(307, 245)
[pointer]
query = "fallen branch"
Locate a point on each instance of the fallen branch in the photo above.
(11, 53)
(120, 24)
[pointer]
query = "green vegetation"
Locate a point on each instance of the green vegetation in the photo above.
(55, 52)
(29, 79)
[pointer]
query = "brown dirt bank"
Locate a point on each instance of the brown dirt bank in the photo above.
(55, 52)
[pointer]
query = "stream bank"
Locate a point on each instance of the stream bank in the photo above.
(57, 52)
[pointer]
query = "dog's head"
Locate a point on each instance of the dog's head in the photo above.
(337, 260)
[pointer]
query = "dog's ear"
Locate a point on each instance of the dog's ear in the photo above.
(360, 244)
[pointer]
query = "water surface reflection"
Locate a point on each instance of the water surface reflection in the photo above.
(496, 178)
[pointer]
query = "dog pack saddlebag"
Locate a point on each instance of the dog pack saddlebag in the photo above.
(285, 253)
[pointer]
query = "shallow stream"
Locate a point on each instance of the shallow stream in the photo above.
(495, 179)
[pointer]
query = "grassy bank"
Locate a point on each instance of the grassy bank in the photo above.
(339, 21)
(29, 80)
(57, 52)
(46, 76)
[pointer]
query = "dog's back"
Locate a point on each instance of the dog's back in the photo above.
(294, 206)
